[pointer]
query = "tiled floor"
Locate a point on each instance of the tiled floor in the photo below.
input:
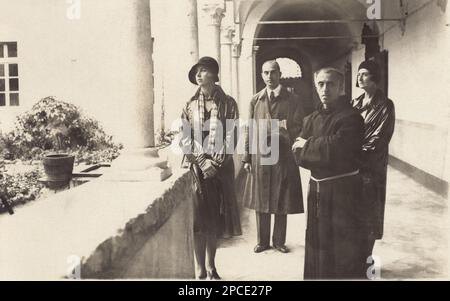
(414, 246)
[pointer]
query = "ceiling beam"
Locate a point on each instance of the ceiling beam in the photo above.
(315, 38)
(326, 21)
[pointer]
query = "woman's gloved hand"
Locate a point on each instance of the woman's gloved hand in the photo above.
(219, 159)
(207, 166)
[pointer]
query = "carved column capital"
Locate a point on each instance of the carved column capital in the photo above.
(215, 11)
(236, 50)
(227, 35)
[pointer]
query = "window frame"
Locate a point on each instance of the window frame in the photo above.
(6, 61)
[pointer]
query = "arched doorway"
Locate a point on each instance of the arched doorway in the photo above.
(292, 75)
(314, 42)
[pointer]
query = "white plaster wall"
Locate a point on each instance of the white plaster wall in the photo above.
(172, 59)
(358, 56)
(90, 62)
(419, 86)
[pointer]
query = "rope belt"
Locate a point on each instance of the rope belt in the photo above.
(318, 181)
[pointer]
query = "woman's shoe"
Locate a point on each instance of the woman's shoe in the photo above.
(213, 275)
(202, 275)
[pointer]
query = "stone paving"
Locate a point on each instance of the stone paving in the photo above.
(415, 245)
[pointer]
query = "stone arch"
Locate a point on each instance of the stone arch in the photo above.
(248, 64)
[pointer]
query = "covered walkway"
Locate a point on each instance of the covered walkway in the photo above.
(134, 215)
(414, 245)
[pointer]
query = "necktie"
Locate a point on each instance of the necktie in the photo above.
(272, 96)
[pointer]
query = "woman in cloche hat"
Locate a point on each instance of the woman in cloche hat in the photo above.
(208, 143)
(378, 112)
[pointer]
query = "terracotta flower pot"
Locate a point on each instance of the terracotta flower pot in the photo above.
(58, 168)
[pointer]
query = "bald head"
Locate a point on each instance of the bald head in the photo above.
(271, 74)
(271, 64)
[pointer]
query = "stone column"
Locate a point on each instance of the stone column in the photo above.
(193, 29)
(142, 132)
(255, 72)
(235, 54)
(140, 160)
(225, 62)
(215, 13)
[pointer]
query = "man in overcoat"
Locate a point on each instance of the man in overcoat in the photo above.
(275, 187)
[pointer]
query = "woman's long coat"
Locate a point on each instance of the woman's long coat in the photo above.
(215, 204)
(379, 121)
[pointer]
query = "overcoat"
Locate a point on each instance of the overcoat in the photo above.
(379, 122)
(273, 188)
(215, 205)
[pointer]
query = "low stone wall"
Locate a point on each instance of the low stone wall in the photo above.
(117, 229)
(155, 244)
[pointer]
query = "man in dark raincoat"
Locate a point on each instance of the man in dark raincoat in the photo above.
(379, 119)
(274, 187)
(330, 146)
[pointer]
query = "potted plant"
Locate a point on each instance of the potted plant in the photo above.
(58, 134)
(58, 165)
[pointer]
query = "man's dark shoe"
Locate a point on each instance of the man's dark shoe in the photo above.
(282, 249)
(260, 248)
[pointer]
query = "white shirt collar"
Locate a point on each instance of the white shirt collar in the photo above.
(275, 91)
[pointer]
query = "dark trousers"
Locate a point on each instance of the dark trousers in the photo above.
(279, 229)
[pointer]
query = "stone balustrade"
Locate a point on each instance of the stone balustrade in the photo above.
(131, 228)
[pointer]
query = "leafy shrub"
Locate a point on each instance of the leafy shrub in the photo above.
(20, 188)
(50, 126)
(83, 154)
(6, 146)
(53, 125)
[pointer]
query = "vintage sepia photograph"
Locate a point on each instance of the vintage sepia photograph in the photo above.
(235, 140)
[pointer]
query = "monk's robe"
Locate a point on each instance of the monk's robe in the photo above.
(336, 222)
